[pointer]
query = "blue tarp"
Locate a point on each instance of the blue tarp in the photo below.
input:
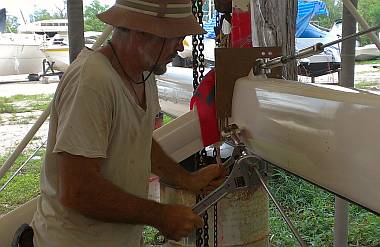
(209, 27)
(307, 9)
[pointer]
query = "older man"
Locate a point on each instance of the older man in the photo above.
(100, 151)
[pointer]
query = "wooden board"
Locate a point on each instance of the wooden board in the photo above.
(234, 63)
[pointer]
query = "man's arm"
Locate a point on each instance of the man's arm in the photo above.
(204, 180)
(167, 169)
(82, 188)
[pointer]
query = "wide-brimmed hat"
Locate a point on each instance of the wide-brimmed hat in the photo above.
(164, 18)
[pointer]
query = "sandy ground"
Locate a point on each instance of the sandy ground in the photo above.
(11, 134)
(14, 127)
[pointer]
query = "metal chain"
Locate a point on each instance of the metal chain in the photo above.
(216, 225)
(217, 29)
(195, 48)
(199, 232)
(203, 162)
(198, 74)
(201, 47)
(215, 153)
(205, 229)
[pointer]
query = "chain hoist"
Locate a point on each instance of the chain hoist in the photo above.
(195, 48)
(217, 29)
(201, 47)
(202, 233)
(198, 74)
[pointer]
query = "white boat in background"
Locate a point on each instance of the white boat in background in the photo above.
(366, 52)
(56, 49)
(20, 54)
(46, 27)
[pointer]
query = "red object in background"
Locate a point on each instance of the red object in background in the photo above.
(241, 33)
(204, 99)
(159, 120)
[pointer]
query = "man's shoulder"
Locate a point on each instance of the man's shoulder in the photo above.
(90, 67)
(90, 60)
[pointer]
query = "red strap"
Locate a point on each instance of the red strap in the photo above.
(204, 99)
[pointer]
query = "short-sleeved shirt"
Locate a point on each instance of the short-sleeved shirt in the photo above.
(94, 115)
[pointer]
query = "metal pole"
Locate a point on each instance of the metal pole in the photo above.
(341, 223)
(347, 78)
(103, 37)
(348, 48)
(350, 7)
(279, 208)
(76, 27)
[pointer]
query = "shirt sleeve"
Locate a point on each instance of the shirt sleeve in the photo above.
(84, 121)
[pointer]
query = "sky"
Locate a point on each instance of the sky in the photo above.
(29, 6)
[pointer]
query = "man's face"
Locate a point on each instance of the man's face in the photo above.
(162, 49)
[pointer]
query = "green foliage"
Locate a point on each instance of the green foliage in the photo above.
(370, 11)
(148, 234)
(12, 24)
(335, 8)
(24, 103)
(39, 15)
(60, 12)
(366, 85)
(311, 210)
(168, 118)
(24, 186)
(373, 61)
(91, 22)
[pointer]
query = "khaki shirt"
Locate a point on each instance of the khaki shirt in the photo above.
(95, 115)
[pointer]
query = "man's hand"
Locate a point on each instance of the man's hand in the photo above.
(178, 221)
(206, 179)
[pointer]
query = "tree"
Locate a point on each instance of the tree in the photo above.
(61, 12)
(275, 22)
(370, 11)
(12, 24)
(44, 14)
(40, 14)
(91, 22)
(335, 9)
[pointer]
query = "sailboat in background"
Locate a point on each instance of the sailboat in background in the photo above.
(56, 49)
(19, 52)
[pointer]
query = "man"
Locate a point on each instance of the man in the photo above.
(100, 150)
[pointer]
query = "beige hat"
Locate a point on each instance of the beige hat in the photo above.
(164, 18)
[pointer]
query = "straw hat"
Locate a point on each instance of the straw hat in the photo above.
(164, 18)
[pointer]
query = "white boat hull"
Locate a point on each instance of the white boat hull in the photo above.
(367, 52)
(327, 136)
(20, 54)
(58, 55)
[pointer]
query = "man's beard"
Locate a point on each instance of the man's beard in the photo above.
(159, 69)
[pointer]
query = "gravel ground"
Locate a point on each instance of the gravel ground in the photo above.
(13, 127)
